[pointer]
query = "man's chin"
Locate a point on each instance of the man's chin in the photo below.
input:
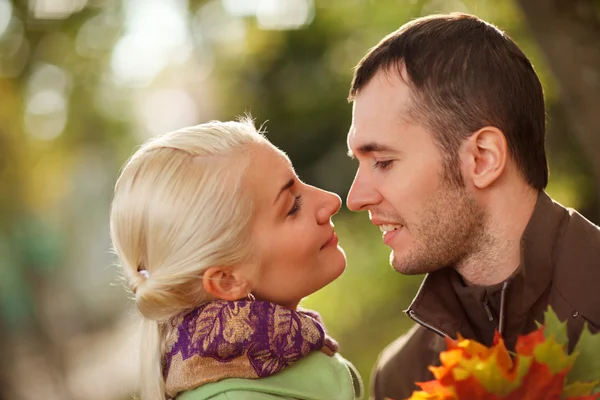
(407, 267)
(401, 266)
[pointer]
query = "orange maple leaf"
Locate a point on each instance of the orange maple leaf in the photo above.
(471, 388)
(470, 370)
(539, 384)
(526, 343)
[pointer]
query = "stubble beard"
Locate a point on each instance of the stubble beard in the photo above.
(450, 228)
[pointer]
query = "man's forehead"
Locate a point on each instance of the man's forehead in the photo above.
(351, 139)
(362, 145)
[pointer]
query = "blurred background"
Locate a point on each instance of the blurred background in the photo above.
(82, 82)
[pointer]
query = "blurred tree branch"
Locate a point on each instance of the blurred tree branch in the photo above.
(567, 32)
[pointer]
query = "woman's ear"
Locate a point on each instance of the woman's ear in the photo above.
(224, 283)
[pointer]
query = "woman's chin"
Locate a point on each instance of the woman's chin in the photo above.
(337, 266)
(339, 258)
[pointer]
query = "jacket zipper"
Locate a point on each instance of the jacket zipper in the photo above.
(487, 310)
(412, 315)
(502, 318)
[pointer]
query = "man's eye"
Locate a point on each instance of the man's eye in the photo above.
(387, 164)
(296, 206)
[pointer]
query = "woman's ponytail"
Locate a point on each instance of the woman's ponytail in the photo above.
(152, 384)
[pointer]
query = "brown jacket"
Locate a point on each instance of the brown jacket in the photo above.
(560, 267)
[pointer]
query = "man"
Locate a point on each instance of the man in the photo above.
(448, 128)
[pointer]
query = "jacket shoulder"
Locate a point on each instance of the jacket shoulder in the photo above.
(404, 362)
(577, 265)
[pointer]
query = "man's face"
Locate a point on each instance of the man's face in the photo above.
(428, 222)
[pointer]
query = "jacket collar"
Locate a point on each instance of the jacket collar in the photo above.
(437, 305)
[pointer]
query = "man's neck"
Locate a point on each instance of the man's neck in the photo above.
(498, 254)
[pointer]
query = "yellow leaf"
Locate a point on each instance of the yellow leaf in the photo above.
(473, 348)
(579, 389)
(489, 373)
(460, 374)
(523, 364)
(451, 358)
(553, 355)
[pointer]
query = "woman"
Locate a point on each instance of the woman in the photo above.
(219, 241)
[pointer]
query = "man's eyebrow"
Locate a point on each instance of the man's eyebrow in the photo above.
(367, 148)
(285, 187)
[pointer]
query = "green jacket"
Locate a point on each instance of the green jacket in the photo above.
(315, 377)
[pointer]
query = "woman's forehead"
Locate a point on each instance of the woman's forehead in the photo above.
(270, 169)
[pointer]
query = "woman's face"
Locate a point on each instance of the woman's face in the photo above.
(295, 247)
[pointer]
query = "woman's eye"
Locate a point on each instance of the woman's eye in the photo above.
(387, 164)
(296, 206)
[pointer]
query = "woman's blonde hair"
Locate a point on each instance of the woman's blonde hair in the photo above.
(180, 207)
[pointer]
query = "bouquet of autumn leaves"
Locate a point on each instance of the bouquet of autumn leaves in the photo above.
(539, 369)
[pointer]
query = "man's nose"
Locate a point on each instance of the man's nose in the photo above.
(363, 193)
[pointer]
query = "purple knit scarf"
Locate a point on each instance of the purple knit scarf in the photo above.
(238, 339)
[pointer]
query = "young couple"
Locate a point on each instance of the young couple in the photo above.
(219, 239)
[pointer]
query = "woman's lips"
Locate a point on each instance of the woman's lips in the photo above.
(333, 241)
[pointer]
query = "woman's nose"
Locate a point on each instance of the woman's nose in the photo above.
(330, 204)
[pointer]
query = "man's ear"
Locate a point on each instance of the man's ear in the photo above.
(484, 156)
(225, 283)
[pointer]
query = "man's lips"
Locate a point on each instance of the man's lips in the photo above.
(390, 235)
(379, 222)
(332, 241)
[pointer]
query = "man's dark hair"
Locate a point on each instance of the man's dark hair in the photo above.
(464, 74)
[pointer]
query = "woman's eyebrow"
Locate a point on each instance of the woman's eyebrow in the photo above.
(285, 187)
